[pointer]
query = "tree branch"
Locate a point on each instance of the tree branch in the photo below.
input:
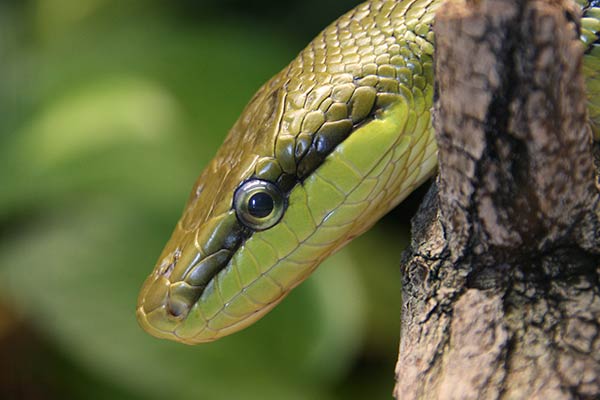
(501, 287)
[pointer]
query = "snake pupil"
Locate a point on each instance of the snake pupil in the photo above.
(260, 205)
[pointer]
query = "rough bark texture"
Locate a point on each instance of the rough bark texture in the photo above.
(501, 287)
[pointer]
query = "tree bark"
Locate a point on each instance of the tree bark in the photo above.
(501, 283)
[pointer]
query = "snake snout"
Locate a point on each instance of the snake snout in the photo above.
(179, 279)
(164, 300)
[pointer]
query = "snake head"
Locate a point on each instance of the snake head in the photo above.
(321, 152)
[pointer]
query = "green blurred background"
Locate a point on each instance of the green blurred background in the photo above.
(109, 109)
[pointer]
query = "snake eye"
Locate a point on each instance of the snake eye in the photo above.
(258, 204)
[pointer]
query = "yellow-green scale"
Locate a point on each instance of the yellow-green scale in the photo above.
(590, 28)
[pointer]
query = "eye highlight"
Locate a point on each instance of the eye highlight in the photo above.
(258, 204)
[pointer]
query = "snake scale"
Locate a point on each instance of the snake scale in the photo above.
(322, 151)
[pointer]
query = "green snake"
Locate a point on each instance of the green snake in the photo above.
(322, 151)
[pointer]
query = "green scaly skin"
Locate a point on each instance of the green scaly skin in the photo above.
(345, 134)
(590, 28)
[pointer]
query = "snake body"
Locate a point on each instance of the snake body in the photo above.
(322, 151)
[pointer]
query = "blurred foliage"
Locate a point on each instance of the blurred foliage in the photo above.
(109, 110)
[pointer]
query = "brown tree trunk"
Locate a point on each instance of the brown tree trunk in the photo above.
(501, 284)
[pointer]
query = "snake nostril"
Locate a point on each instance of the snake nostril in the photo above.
(177, 309)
